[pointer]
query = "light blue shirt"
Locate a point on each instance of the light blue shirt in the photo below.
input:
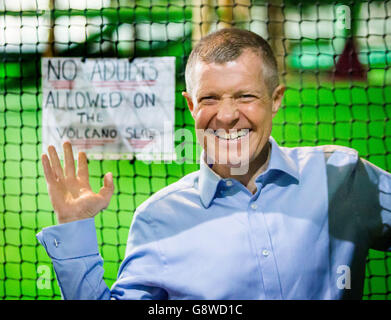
(304, 234)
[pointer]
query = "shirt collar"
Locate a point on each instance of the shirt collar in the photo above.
(281, 161)
(209, 180)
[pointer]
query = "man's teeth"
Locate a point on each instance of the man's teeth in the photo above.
(232, 135)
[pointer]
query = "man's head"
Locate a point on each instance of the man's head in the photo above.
(227, 45)
(232, 85)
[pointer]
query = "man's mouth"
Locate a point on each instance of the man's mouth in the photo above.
(232, 135)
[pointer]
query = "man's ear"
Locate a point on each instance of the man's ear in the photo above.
(277, 96)
(189, 101)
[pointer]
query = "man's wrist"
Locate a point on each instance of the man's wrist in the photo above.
(64, 220)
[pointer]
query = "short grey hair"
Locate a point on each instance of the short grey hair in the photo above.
(227, 45)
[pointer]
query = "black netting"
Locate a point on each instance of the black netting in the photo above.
(349, 105)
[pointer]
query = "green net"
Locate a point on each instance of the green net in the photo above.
(349, 105)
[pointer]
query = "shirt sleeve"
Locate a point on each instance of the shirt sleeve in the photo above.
(359, 199)
(78, 265)
(373, 193)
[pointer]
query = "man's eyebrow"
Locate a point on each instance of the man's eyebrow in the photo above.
(206, 94)
(244, 91)
(247, 91)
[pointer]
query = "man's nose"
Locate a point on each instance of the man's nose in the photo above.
(228, 112)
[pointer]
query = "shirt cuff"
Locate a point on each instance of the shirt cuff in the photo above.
(70, 240)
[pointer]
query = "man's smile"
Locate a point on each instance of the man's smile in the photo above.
(233, 134)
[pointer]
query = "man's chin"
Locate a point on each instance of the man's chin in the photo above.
(235, 165)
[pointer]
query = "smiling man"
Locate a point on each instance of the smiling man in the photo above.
(233, 94)
(292, 223)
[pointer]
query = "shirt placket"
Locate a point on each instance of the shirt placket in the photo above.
(264, 249)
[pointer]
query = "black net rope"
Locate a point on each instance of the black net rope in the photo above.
(333, 57)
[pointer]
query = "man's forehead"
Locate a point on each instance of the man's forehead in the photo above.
(248, 57)
(245, 66)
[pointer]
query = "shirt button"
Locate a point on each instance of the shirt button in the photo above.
(228, 183)
(265, 253)
(56, 243)
(254, 206)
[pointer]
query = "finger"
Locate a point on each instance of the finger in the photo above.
(55, 163)
(47, 170)
(108, 188)
(82, 167)
(69, 161)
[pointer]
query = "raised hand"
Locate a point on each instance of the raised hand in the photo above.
(70, 193)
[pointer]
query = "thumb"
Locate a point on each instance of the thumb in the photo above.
(108, 187)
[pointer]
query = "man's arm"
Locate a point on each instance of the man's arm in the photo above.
(373, 189)
(78, 265)
(72, 244)
(359, 195)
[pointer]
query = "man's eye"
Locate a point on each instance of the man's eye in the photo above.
(210, 99)
(246, 97)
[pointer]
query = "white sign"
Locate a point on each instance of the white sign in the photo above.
(110, 108)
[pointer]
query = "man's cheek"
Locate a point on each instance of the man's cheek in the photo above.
(203, 118)
(206, 137)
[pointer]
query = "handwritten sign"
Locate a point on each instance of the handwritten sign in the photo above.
(110, 108)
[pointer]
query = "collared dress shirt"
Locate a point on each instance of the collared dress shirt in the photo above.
(304, 234)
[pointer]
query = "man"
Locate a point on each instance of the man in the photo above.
(294, 223)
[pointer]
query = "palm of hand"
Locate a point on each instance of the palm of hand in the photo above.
(71, 195)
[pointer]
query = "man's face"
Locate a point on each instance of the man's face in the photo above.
(233, 98)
